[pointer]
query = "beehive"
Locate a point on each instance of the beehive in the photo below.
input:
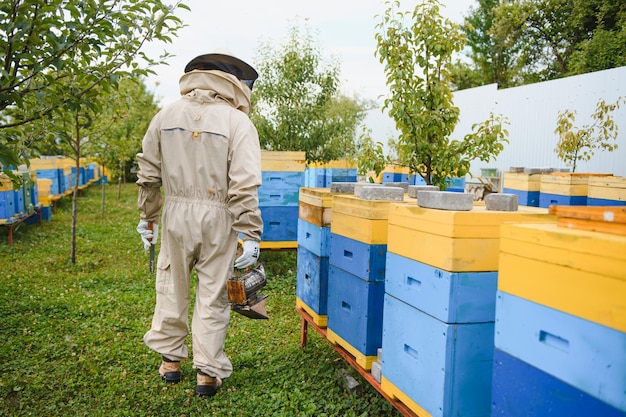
(436, 368)
(314, 218)
(521, 390)
(565, 314)
(588, 356)
(456, 241)
(526, 186)
(564, 188)
(315, 206)
(606, 191)
(356, 275)
(579, 272)
(283, 161)
(283, 175)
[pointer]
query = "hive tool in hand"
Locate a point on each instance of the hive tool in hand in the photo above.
(243, 293)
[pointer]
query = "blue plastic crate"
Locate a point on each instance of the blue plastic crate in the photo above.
(524, 198)
(584, 354)
(546, 200)
(314, 238)
(521, 390)
(312, 280)
(452, 297)
(355, 310)
(280, 224)
(361, 259)
(444, 368)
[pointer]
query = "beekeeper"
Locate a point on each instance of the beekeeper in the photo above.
(204, 151)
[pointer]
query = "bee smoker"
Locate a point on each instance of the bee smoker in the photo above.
(243, 293)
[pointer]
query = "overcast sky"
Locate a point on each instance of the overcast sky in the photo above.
(343, 29)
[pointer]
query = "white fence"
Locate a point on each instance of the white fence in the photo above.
(532, 111)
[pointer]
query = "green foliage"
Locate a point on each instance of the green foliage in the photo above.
(580, 143)
(491, 60)
(116, 134)
(558, 38)
(371, 156)
(59, 45)
(417, 66)
(72, 333)
(297, 105)
(59, 55)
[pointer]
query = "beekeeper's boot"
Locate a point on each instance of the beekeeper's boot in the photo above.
(207, 385)
(170, 371)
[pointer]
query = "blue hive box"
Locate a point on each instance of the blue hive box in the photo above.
(452, 297)
(547, 200)
(315, 177)
(18, 198)
(279, 223)
(521, 390)
(7, 204)
(444, 369)
(312, 284)
(525, 198)
(355, 314)
(366, 261)
(581, 353)
(314, 238)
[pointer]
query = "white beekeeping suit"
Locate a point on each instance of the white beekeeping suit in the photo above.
(204, 152)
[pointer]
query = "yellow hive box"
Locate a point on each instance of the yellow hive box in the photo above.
(45, 163)
(455, 241)
(580, 272)
(565, 183)
(362, 220)
(608, 188)
(521, 181)
(6, 184)
(315, 206)
(396, 169)
(294, 161)
(342, 163)
(43, 186)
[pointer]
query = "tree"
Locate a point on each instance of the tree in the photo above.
(62, 57)
(116, 134)
(370, 156)
(557, 38)
(491, 60)
(297, 105)
(52, 46)
(579, 144)
(417, 63)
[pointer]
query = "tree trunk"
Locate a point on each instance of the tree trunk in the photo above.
(75, 193)
(103, 191)
(119, 181)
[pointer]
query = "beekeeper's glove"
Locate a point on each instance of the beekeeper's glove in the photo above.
(148, 236)
(250, 254)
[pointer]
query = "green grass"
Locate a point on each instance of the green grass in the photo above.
(71, 334)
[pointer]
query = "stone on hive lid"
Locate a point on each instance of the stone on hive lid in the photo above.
(413, 189)
(501, 202)
(380, 193)
(445, 200)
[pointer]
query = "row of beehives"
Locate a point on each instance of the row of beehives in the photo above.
(473, 312)
(43, 182)
(538, 189)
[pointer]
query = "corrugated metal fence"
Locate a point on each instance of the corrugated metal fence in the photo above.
(533, 110)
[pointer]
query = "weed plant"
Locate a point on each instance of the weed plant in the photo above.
(71, 334)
